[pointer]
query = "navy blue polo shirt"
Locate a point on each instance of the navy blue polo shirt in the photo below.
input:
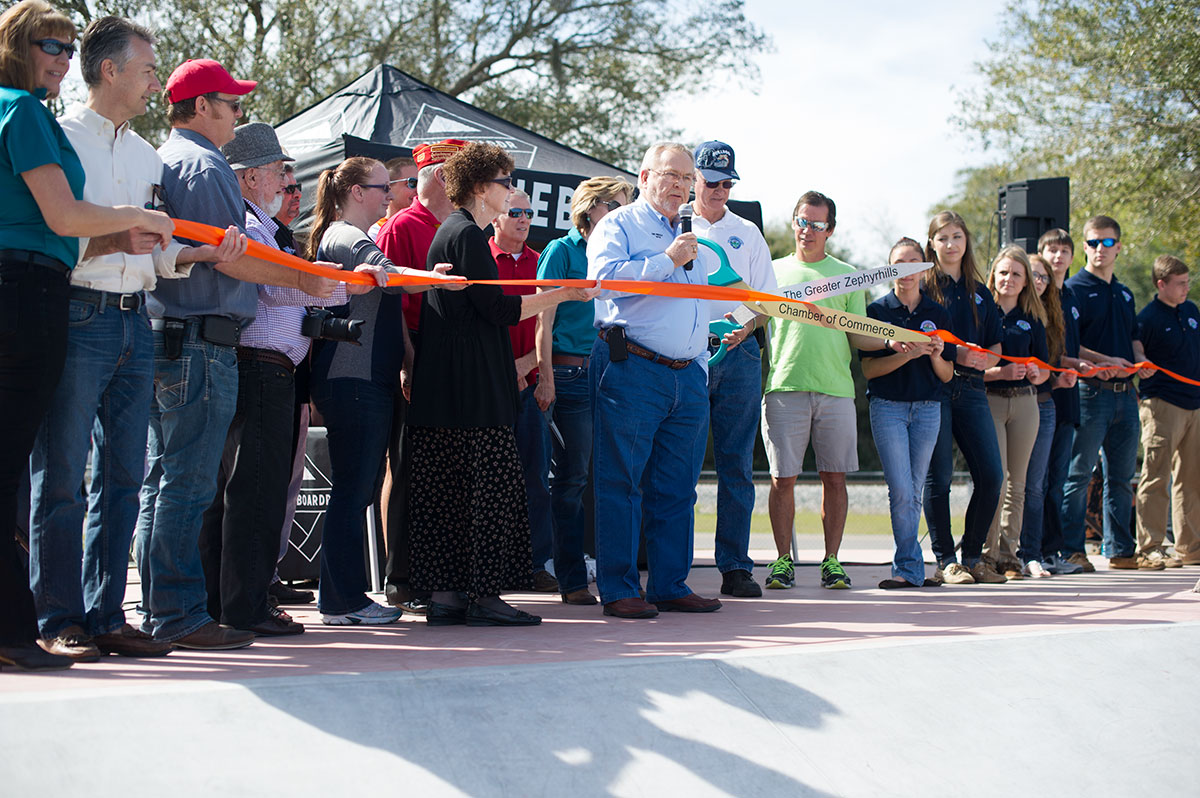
(1171, 337)
(1066, 400)
(1024, 336)
(1107, 316)
(915, 381)
(980, 327)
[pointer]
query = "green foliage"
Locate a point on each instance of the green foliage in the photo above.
(589, 74)
(1107, 93)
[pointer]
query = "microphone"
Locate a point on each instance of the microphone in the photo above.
(685, 225)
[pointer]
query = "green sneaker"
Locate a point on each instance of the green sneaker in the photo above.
(833, 575)
(782, 575)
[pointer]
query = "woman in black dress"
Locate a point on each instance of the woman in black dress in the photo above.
(467, 509)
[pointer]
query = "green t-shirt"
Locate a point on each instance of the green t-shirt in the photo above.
(805, 357)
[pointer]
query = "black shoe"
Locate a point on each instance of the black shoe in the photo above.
(445, 615)
(739, 583)
(30, 657)
(482, 616)
(277, 624)
(214, 637)
(544, 582)
(287, 594)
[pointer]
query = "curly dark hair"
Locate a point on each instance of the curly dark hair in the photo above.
(472, 166)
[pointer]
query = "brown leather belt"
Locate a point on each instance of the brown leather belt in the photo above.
(653, 357)
(569, 360)
(1016, 390)
(266, 356)
(1116, 386)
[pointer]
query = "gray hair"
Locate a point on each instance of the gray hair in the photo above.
(652, 154)
(109, 39)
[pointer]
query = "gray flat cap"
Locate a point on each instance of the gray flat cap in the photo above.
(253, 144)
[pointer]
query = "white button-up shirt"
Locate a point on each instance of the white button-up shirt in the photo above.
(121, 169)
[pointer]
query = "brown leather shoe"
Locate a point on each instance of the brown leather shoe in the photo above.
(630, 608)
(71, 642)
(544, 581)
(581, 596)
(130, 642)
(214, 637)
(689, 603)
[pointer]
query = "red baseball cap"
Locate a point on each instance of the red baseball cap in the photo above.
(203, 75)
(439, 152)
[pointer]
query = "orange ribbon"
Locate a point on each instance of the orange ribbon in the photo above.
(214, 235)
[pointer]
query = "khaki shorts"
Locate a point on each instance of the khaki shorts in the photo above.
(790, 419)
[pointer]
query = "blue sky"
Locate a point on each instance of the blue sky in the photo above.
(855, 101)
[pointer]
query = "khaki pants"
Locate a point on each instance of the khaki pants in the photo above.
(1171, 441)
(1016, 420)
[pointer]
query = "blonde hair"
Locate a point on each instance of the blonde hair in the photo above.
(1166, 266)
(1028, 300)
(592, 191)
(19, 26)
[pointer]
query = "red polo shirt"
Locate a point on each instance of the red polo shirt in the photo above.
(405, 240)
(520, 267)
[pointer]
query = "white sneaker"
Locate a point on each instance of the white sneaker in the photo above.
(371, 615)
(1034, 569)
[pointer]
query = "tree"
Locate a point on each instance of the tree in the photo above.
(589, 73)
(1106, 92)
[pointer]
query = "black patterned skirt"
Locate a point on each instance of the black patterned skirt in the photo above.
(468, 515)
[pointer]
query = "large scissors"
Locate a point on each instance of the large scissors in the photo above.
(727, 277)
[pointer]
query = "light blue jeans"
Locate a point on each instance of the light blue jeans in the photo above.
(194, 400)
(905, 435)
(102, 406)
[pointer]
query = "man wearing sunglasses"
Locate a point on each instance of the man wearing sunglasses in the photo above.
(284, 237)
(402, 182)
(735, 383)
(197, 326)
(516, 260)
(1107, 402)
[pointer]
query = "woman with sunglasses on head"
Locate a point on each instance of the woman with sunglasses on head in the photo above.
(41, 179)
(402, 177)
(954, 283)
(468, 520)
(1012, 394)
(905, 386)
(567, 330)
(353, 384)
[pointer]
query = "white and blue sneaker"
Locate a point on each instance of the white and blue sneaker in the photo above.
(371, 615)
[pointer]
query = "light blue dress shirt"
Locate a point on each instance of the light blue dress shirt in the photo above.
(630, 243)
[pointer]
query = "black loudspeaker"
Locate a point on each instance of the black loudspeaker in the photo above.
(1030, 208)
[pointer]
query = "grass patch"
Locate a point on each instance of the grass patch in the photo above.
(807, 523)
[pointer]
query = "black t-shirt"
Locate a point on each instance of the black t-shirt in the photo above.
(1171, 338)
(916, 380)
(975, 319)
(1066, 400)
(1024, 336)
(1107, 318)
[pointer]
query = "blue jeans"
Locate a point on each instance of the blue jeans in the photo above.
(1056, 474)
(967, 421)
(569, 464)
(648, 446)
(734, 398)
(1108, 421)
(194, 400)
(1035, 486)
(905, 434)
(358, 415)
(102, 400)
(533, 448)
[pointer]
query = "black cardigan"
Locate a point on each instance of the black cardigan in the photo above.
(464, 375)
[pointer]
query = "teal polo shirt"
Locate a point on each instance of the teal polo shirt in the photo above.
(566, 259)
(31, 137)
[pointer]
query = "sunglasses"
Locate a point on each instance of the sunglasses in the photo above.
(409, 182)
(294, 189)
(515, 213)
(54, 47)
(612, 205)
(805, 224)
(504, 181)
(158, 201)
(234, 105)
(1095, 243)
(725, 184)
(384, 187)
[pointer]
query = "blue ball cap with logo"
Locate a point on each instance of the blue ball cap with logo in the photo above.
(714, 159)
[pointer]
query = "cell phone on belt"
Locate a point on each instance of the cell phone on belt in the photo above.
(173, 332)
(617, 351)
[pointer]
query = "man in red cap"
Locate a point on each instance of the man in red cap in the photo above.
(196, 329)
(405, 239)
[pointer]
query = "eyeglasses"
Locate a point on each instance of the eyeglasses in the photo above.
(504, 181)
(410, 182)
(725, 184)
(1095, 243)
(671, 175)
(805, 224)
(1039, 278)
(515, 213)
(293, 189)
(54, 47)
(384, 187)
(234, 105)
